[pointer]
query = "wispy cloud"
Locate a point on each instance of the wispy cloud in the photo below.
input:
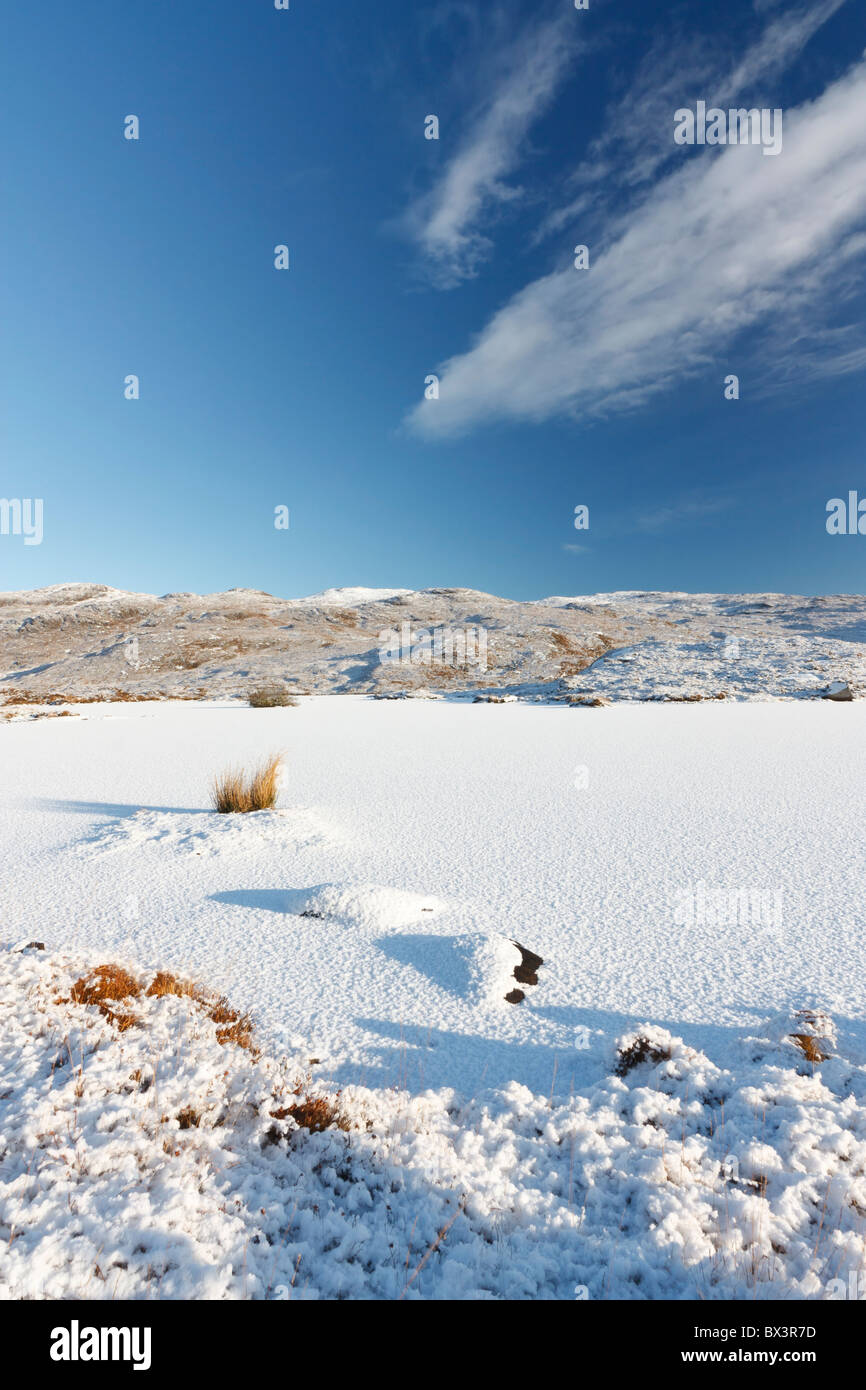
(636, 143)
(731, 241)
(683, 511)
(445, 223)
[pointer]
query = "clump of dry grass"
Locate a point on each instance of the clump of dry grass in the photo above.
(235, 791)
(810, 1046)
(103, 983)
(238, 1028)
(314, 1113)
(164, 983)
(269, 697)
(231, 1026)
(105, 986)
(814, 1037)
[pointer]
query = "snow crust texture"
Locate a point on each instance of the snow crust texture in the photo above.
(156, 1162)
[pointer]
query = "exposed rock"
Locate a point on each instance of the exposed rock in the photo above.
(526, 973)
(838, 690)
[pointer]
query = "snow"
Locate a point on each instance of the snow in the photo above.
(200, 832)
(370, 922)
(157, 1163)
(350, 596)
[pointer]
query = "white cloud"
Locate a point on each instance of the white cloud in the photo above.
(781, 41)
(729, 242)
(445, 222)
(636, 142)
(685, 509)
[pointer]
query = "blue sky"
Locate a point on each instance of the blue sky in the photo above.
(558, 387)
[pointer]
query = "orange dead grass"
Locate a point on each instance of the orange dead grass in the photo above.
(314, 1113)
(810, 1046)
(235, 791)
(106, 985)
(231, 1026)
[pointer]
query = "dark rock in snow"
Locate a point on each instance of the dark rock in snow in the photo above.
(838, 690)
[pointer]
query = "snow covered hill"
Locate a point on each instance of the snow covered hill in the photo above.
(87, 640)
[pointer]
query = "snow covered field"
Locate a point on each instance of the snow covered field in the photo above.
(367, 923)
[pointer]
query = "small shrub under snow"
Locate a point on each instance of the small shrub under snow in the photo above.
(163, 1160)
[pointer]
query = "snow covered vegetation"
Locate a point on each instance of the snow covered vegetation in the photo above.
(148, 1151)
(490, 999)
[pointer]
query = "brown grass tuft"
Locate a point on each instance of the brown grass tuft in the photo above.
(238, 1028)
(232, 1026)
(104, 986)
(239, 1033)
(164, 983)
(810, 1046)
(122, 1022)
(314, 1113)
(234, 791)
(107, 985)
(103, 983)
(269, 697)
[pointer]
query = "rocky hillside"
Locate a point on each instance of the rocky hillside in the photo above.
(89, 641)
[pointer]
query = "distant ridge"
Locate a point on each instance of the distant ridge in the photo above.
(86, 640)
